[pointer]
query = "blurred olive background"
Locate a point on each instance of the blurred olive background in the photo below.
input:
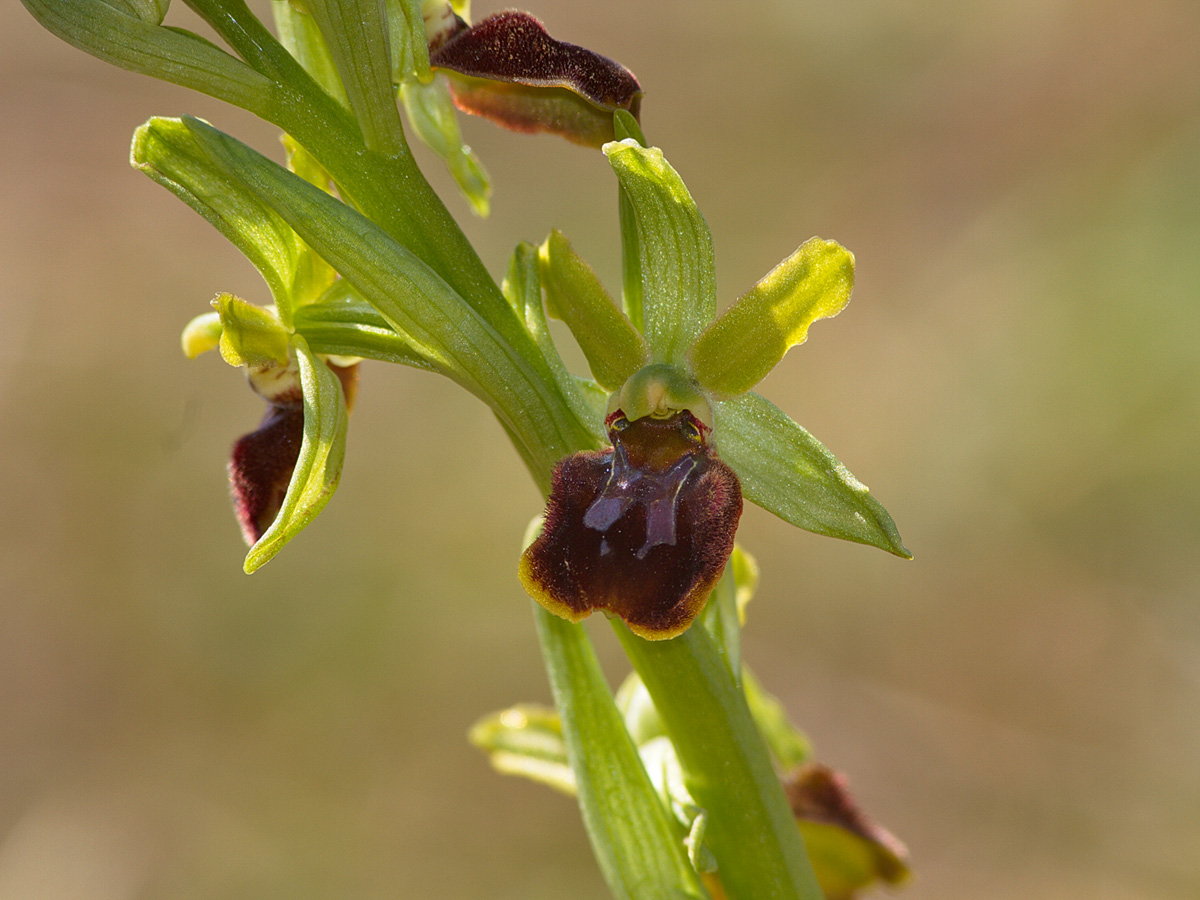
(1017, 379)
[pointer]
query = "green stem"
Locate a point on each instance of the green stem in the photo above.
(751, 830)
(638, 848)
(386, 186)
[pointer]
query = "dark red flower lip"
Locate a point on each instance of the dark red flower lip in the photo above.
(641, 531)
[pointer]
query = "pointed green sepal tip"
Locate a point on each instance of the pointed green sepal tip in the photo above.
(250, 335)
(626, 126)
(318, 464)
(201, 334)
(613, 347)
(737, 350)
(787, 471)
(668, 248)
(430, 110)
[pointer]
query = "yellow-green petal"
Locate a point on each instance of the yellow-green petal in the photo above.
(430, 111)
(250, 335)
(613, 347)
(201, 334)
(735, 352)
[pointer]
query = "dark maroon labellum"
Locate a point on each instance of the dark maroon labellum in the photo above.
(642, 530)
(261, 467)
(513, 73)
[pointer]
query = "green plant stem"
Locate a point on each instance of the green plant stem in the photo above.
(727, 770)
(639, 849)
(386, 186)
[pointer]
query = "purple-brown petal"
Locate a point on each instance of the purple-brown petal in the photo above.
(641, 531)
(510, 71)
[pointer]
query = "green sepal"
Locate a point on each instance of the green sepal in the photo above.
(150, 11)
(430, 111)
(319, 464)
(356, 35)
(736, 351)
(787, 471)
(167, 151)
(613, 347)
(522, 287)
(526, 740)
(408, 44)
(789, 746)
(250, 335)
(673, 249)
(299, 34)
(172, 54)
(626, 126)
(637, 845)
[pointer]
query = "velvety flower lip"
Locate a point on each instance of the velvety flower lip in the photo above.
(641, 530)
(261, 466)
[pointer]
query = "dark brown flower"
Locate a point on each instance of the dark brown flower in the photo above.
(262, 462)
(642, 530)
(849, 851)
(507, 69)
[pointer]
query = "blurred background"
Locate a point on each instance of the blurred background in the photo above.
(1017, 378)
